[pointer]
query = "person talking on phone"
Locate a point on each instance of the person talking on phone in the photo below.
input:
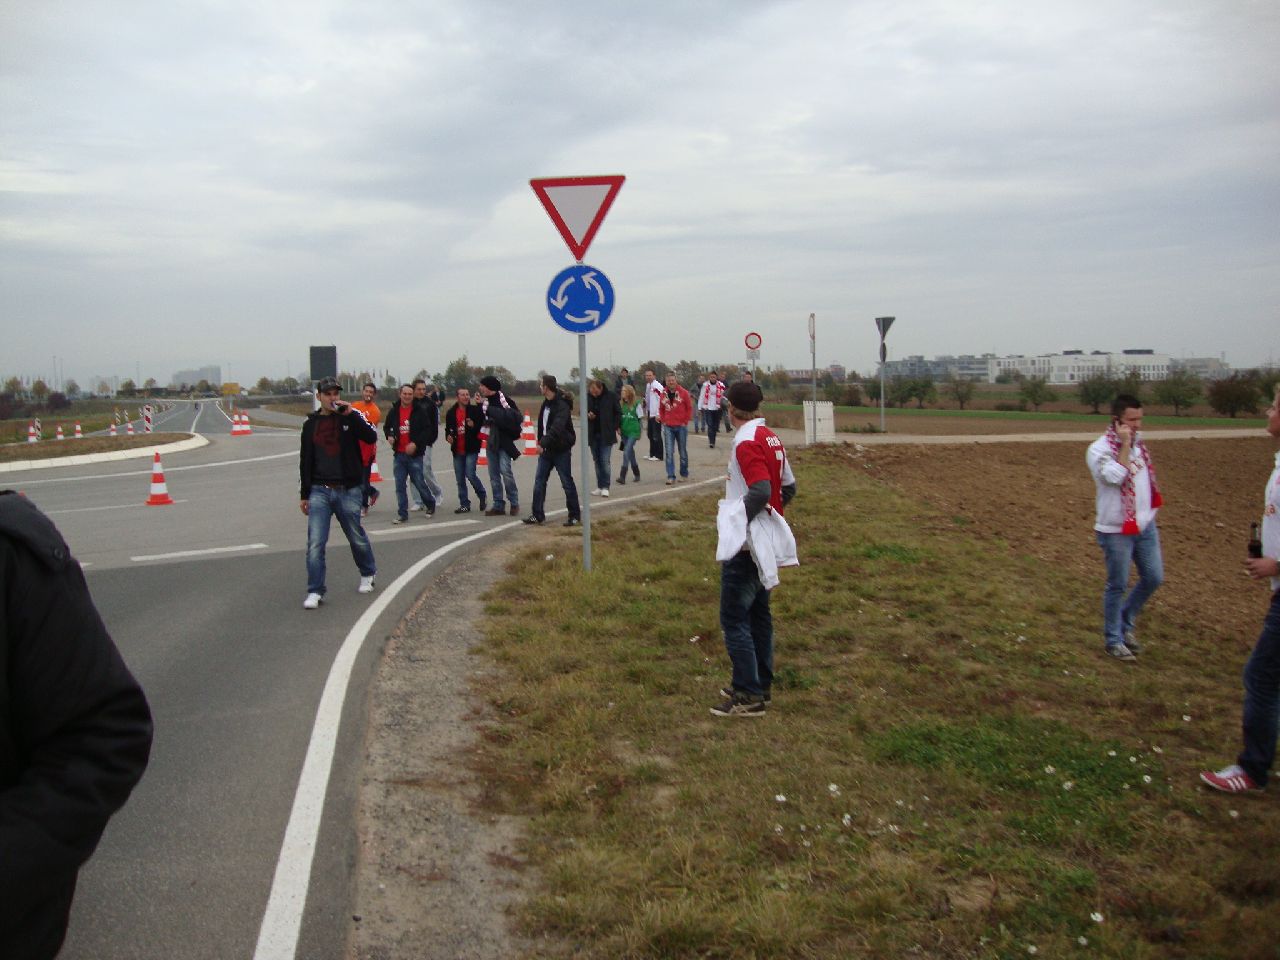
(332, 469)
(1125, 525)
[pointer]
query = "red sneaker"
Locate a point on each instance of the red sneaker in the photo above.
(1230, 779)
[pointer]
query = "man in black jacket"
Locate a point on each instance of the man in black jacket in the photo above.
(462, 431)
(604, 419)
(409, 426)
(556, 438)
(75, 730)
(502, 417)
(430, 398)
(332, 469)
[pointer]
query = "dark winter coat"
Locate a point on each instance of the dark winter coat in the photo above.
(559, 435)
(471, 434)
(75, 730)
(354, 428)
(603, 427)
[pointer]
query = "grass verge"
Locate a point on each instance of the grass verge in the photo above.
(950, 768)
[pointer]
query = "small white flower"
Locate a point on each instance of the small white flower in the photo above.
(777, 828)
(1111, 753)
(805, 843)
(694, 639)
(1095, 917)
(1083, 941)
(1021, 639)
(1156, 750)
(833, 789)
(1033, 950)
(846, 819)
(802, 828)
(1069, 785)
(899, 803)
(1050, 770)
(1186, 717)
(1233, 813)
(1133, 759)
(1146, 778)
(781, 798)
(551, 556)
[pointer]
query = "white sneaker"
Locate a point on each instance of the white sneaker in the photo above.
(313, 600)
(604, 492)
(366, 585)
(595, 492)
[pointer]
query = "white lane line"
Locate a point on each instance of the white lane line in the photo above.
(199, 553)
(421, 527)
(282, 921)
(167, 470)
(117, 506)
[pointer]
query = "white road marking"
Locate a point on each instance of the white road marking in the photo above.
(282, 921)
(199, 553)
(117, 506)
(427, 526)
(167, 470)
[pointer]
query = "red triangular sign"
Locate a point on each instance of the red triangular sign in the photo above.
(577, 206)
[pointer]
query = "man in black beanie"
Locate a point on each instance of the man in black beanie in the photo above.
(503, 420)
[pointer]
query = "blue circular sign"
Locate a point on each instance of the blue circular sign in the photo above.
(580, 298)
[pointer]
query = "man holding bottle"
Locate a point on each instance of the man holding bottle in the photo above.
(1262, 673)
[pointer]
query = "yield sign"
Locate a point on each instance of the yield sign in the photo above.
(577, 206)
(883, 324)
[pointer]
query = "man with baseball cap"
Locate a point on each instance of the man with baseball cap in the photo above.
(332, 469)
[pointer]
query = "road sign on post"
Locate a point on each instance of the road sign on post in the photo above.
(883, 324)
(580, 298)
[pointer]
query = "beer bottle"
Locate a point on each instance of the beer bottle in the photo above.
(1255, 542)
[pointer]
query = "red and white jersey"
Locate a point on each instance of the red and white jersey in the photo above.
(758, 455)
(710, 395)
(652, 397)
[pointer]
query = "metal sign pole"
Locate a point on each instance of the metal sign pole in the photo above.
(813, 362)
(584, 495)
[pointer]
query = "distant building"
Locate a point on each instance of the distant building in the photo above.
(837, 371)
(1067, 367)
(192, 377)
(1207, 368)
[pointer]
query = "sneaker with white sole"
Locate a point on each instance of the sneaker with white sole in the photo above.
(739, 705)
(1132, 643)
(1121, 652)
(366, 585)
(1230, 779)
(604, 492)
(313, 601)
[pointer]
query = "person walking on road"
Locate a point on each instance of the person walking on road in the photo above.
(424, 394)
(1252, 768)
(368, 406)
(632, 418)
(675, 410)
(1125, 525)
(754, 540)
(75, 730)
(462, 432)
(408, 426)
(332, 469)
(556, 438)
(710, 398)
(604, 419)
(652, 408)
(503, 419)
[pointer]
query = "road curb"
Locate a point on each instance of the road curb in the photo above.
(195, 441)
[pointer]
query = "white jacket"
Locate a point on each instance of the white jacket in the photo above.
(768, 537)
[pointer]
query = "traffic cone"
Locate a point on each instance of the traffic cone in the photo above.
(529, 437)
(245, 429)
(79, 435)
(483, 459)
(159, 492)
(235, 424)
(112, 431)
(128, 427)
(31, 432)
(60, 436)
(374, 475)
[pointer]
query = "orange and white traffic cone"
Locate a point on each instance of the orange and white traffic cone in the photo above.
(374, 475)
(128, 428)
(245, 429)
(31, 433)
(235, 424)
(529, 436)
(59, 435)
(159, 492)
(483, 459)
(112, 430)
(79, 435)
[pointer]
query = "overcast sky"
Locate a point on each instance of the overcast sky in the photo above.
(228, 182)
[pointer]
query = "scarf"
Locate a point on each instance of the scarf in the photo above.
(1127, 498)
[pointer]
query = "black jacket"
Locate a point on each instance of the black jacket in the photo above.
(75, 730)
(354, 429)
(505, 424)
(432, 409)
(424, 425)
(471, 434)
(608, 417)
(559, 435)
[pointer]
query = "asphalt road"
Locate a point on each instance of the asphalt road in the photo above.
(204, 599)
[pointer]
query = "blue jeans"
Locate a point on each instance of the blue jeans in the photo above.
(697, 418)
(410, 468)
(747, 625)
(712, 420)
(429, 477)
(670, 437)
(629, 457)
(602, 456)
(562, 463)
(464, 471)
(501, 474)
(1119, 551)
(324, 504)
(1262, 699)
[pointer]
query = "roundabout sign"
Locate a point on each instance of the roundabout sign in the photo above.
(580, 298)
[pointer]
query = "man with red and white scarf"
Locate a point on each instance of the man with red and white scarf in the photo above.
(1125, 526)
